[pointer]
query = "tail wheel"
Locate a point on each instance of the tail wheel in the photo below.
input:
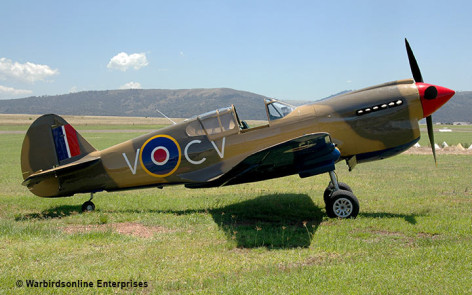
(88, 206)
(342, 204)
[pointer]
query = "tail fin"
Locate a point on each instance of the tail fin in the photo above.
(51, 142)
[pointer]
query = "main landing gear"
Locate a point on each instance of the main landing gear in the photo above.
(339, 199)
(88, 206)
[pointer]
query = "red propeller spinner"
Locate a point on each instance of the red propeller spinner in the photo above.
(433, 97)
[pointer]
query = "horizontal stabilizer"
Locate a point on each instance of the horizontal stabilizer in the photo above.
(39, 176)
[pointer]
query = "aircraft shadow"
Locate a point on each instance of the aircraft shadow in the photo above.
(273, 221)
(410, 218)
(56, 212)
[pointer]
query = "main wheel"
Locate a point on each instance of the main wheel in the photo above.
(330, 189)
(342, 204)
(88, 206)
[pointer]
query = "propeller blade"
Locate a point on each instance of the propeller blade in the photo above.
(415, 69)
(429, 124)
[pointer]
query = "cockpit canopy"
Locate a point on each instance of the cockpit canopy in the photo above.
(216, 124)
(225, 121)
(277, 109)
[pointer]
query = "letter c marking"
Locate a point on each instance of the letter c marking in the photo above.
(186, 153)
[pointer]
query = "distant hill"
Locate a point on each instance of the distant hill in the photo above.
(141, 102)
(339, 93)
(456, 110)
(183, 103)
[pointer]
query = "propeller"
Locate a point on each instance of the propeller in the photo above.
(429, 124)
(415, 70)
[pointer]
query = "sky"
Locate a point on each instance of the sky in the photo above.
(289, 50)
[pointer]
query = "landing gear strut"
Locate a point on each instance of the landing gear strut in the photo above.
(339, 199)
(88, 206)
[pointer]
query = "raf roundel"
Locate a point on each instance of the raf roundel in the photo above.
(160, 155)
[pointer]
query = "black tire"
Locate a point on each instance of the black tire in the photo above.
(342, 204)
(330, 189)
(88, 206)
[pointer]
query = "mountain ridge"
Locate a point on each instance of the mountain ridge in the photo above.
(182, 103)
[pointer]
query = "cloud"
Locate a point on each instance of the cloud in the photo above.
(24, 72)
(8, 92)
(122, 61)
(131, 85)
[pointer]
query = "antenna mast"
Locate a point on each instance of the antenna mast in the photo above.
(165, 116)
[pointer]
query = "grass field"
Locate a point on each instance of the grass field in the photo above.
(413, 235)
(459, 134)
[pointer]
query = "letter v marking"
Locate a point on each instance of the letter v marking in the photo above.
(133, 169)
(222, 152)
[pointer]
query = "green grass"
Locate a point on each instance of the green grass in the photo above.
(81, 127)
(136, 127)
(460, 134)
(413, 234)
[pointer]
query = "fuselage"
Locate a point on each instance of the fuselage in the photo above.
(206, 154)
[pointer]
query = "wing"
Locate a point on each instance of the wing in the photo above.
(307, 155)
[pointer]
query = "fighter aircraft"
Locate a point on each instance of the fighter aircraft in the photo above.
(218, 149)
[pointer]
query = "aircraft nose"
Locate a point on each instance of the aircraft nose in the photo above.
(433, 97)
